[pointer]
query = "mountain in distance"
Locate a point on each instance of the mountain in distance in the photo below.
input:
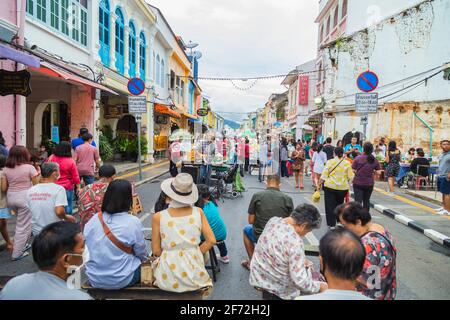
(232, 124)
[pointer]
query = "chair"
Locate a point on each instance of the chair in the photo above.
(419, 179)
(214, 264)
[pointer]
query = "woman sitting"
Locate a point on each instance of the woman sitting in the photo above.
(176, 237)
(209, 206)
(115, 240)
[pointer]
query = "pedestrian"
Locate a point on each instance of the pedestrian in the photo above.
(284, 158)
(379, 154)
(335, 179)
(263, 160)
(247, 154)
(47, 200)
(174, 157)
(443, 181)
(162, 203)
(328, 148)
(57, 250)
(340, 144)
(20, 176)
(380, 252)
(207, 203)
(5, 213)
(264, 206)
(411, 155)
(87, 158)
(393, 159)
(319, 159)
(312, 151)
(43, 154)
(79, 141)
(90, 198)
(176, 236)
(353, 149)
(365, 167)
(115, 240)
(279, 266)
(68, 173)
(342, 257)
(3, 150)
(307, 148)
(382, 145)
(298, 157)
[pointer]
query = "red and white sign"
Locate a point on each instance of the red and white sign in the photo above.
(303, 90)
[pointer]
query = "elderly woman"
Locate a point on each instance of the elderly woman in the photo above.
(279, 266)
(380, 252)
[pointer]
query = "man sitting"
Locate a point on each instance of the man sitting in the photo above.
(47, 200)
(419, 165)
(264, 206)
(342, 257)
(56, 250)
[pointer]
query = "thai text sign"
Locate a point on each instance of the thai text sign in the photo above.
(303, 90)
(137, 105)
(366, 103)
(12, 82)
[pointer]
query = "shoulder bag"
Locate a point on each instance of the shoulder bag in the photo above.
(113, 238)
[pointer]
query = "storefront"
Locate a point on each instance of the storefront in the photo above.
(166, 121)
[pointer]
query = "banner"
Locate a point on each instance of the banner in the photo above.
(303, 90)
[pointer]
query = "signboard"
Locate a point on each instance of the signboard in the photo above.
(367, 81)
(303, 90)
(136, 86)
(12, 82)
(55, 134)
(202, 112)
(137, 105)
(366, 103)
(364, 120)
(314, 122)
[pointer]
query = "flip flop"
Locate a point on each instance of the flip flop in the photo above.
(23, 255)
(27, 247)
(246, 264)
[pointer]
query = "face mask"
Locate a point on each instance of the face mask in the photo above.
(85, 258)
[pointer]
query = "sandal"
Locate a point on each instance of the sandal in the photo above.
(246, 264)
(27, 247)
(23, 255)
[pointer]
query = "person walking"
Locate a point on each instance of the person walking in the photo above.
(68, 173)
(319, 159)
(328, 148)
(3, 150)
(380, 251)
(335, 179)
(263, 160)
(298, 156)
(284, 158)
(87, 158)
(247, 154)
(382, 145)
(365, 167)
(307, 164)
(444, 177)
(5, 213)
(79, 140)
(393, 159)
(20, 177)
(174, 157)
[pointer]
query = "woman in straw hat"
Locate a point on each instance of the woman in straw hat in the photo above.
(176, 237)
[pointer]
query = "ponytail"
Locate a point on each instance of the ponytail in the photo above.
(368, 150)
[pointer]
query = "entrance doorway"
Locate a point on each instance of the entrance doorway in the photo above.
(52, 122)
(127, 126)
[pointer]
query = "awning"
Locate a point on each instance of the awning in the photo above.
(54, 71)
(19, 56)
(190, 116)
(194, 120)
(307, 127)
(162, 109)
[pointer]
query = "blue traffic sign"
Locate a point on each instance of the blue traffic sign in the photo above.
(367, 81)
(136, 86)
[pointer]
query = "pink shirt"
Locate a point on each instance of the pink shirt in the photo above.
(19, 178)
(85, 156)
(68, 173)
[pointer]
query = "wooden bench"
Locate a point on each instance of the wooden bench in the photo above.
(139, 292)
(311, 250)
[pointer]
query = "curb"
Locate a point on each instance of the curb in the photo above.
(429, 233)
(436, 202)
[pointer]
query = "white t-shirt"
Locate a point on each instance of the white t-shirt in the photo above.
(42, 200)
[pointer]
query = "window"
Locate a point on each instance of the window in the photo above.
(132, 50)
(321, 34)
(120, 41)
(30, 7)
(158, 70)
(41, 10)
(336, 17)
(84, 35)
(103, 31)
(182, 91)
(65, 17)
(153, 73)
(142, 56)
(344, 9)
(75, 22)
(172, 80)
(328, 26)
(178, 90)
(54, 14)
(163, 73)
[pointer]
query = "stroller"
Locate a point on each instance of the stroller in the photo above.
(228, 184)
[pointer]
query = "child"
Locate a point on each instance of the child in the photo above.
(209, 206)
(4, 211)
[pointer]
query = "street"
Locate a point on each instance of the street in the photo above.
(422, 265)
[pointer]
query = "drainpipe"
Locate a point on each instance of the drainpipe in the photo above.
(429, 128)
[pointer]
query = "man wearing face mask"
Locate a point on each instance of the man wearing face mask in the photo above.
(58, 249)
(47, 200)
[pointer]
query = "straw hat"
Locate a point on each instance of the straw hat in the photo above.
(181, 189)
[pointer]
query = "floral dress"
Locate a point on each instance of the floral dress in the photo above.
(380, 260)
(181, 267)
(299, 158)
(393, 167)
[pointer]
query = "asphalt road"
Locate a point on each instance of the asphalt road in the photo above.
(422, 265)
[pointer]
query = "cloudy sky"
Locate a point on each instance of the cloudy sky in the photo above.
(244, 38)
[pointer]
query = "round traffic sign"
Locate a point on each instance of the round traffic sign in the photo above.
(367, 81)
(136, 86)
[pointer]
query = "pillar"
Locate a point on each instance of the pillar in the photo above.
(126, 53)
(138, 56)
(112, 47)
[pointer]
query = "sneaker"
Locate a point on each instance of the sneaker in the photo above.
(225, 259)
(443, 212)
(439, 209)
(404, 186)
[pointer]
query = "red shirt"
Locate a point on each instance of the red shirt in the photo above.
(67, 170)
(247, 151)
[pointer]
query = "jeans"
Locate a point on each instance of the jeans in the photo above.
(363, 194)
(88, 179)
(333, 198)
(262, 172)
(69, 207)
(284, 170)
(136, 277)
(248, 231)
(247, 164)
(208, 172)
(222, 248)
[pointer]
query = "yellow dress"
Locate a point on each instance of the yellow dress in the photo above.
(181, 267)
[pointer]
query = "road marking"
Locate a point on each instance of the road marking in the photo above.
(312, 239)
(435, 236)
(136, 172)
(145, 216)
(402, 219)
(410, 202)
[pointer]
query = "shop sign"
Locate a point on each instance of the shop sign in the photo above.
(314, 122)
(202, 112)
(303, 96)
(366, 103)
(15, 82)
(160, 119)
(137, 105)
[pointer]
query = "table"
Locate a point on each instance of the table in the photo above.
(404, 169)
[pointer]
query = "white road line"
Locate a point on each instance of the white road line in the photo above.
(312, 239)
(145, 216)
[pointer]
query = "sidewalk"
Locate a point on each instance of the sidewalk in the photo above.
(413, 212)
(128, 171)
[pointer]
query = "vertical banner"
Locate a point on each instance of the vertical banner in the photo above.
(303, 90)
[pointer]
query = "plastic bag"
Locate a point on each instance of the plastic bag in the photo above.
(316, 196)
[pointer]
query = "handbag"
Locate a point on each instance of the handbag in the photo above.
(113, 238)
(316, 196)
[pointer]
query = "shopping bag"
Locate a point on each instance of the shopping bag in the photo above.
(316, 196)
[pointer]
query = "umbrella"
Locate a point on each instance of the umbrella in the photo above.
(180, 134)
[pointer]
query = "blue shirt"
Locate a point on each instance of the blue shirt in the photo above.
(215, 221)
(3, 150)
(109, 267)
(78, 142)
(349, 147)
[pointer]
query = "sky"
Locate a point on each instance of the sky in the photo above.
(241, 38)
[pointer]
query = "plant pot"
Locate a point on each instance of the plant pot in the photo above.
(118, 157)
(129, 156)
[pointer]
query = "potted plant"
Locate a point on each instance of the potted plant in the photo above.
(49, 145)
(105, 148)
(122, 145)
(133, 148)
